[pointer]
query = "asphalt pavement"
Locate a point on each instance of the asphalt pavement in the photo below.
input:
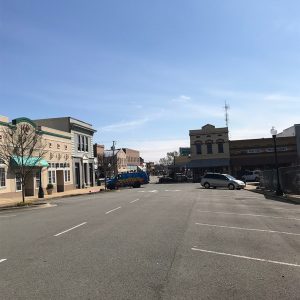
(169, 241)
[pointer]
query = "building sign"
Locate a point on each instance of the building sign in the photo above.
(184, 151)
(264, 150)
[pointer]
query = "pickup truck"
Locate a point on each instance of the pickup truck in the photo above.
(134, 180)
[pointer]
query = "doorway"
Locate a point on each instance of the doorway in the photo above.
(60, 181)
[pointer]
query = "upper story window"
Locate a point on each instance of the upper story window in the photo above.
(58, 146)
(209, 146)
(198, 145)
(86, 144)
(50, 145)
(66, 147)
(82, 143)
(78, 142)
(220, 143)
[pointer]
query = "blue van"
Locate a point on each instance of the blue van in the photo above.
(128, 179)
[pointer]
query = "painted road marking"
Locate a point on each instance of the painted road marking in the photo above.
(70, 229)
(251, 215)
(249, 229)
(8, 216)
(113, 210)
(2, 260)
(246, 257)
(134, 200)
(172, 190)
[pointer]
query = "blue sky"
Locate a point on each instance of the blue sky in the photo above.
(145, 72)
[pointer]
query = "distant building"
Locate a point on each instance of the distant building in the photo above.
(119, 160)
(133, 159)
(209, 150)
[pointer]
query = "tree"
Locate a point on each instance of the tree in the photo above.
(21, 149)
(169, 159)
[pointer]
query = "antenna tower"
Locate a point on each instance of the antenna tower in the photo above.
(226, 108)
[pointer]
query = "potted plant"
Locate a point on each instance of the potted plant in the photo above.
(49, 188)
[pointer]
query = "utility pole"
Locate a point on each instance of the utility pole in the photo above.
(114, 161)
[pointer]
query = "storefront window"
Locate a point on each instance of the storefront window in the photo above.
(2, 177)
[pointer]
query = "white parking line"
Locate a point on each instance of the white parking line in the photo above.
(70, 229)
(8, 216)
(134, 200)
(246, 257)
(113, 210)
(2, 260)
(249, 229)
(251, 215)
(172, 190)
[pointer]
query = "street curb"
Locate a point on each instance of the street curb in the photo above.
(28, 205)
(270, 195)
(13, 206)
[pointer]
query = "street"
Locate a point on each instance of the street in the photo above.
(160, 241)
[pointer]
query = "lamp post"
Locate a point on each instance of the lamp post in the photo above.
(278, 188)
(41, 191)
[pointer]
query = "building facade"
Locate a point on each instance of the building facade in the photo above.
(209, 150)
(55, 166)
(258, 154)
(133, 159)
(82, 147)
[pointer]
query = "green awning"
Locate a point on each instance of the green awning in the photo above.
(30, 161)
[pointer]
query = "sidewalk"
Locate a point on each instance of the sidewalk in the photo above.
(7, 202)
(269, 194)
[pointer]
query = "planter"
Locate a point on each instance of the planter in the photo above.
(49, 191)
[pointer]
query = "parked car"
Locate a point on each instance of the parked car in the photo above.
(166, 179)
(251, 176)
(221, 180)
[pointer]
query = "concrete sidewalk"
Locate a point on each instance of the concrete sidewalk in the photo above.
(13, 201)
(286, 197)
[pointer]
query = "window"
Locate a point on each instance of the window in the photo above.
(220, 147)
(51, 177)
(2, 177)
(18, 183)
(58, 146)
(67, 175)
(61, 165)
(86, 144)
(198, 148)
(78, 142)
(50, 145)
(66, 147)
(37, 179)
(82, 142)
(209, 148)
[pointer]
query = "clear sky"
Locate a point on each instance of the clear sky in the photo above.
(146, 72)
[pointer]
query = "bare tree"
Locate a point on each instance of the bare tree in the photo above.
(22, 149)
(169, 159)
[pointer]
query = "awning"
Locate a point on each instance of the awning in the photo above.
(29, 161)
(208, 163)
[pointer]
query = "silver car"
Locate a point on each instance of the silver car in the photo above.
(215, 180)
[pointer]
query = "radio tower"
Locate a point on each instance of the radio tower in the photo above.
(226, 108)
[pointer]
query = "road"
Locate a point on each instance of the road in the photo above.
(171, 241)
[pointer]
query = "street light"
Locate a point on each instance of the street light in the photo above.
(278, 188)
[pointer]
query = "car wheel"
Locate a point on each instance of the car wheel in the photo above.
(231, 186)
(136, 185)
(214, 187)
(206, 185)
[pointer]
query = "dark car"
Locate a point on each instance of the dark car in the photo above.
(166, 179)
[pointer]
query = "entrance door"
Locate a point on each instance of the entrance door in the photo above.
(60, 181)
(29, 185)
(77, 176)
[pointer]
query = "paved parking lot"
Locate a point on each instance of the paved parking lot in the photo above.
(170, 241)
